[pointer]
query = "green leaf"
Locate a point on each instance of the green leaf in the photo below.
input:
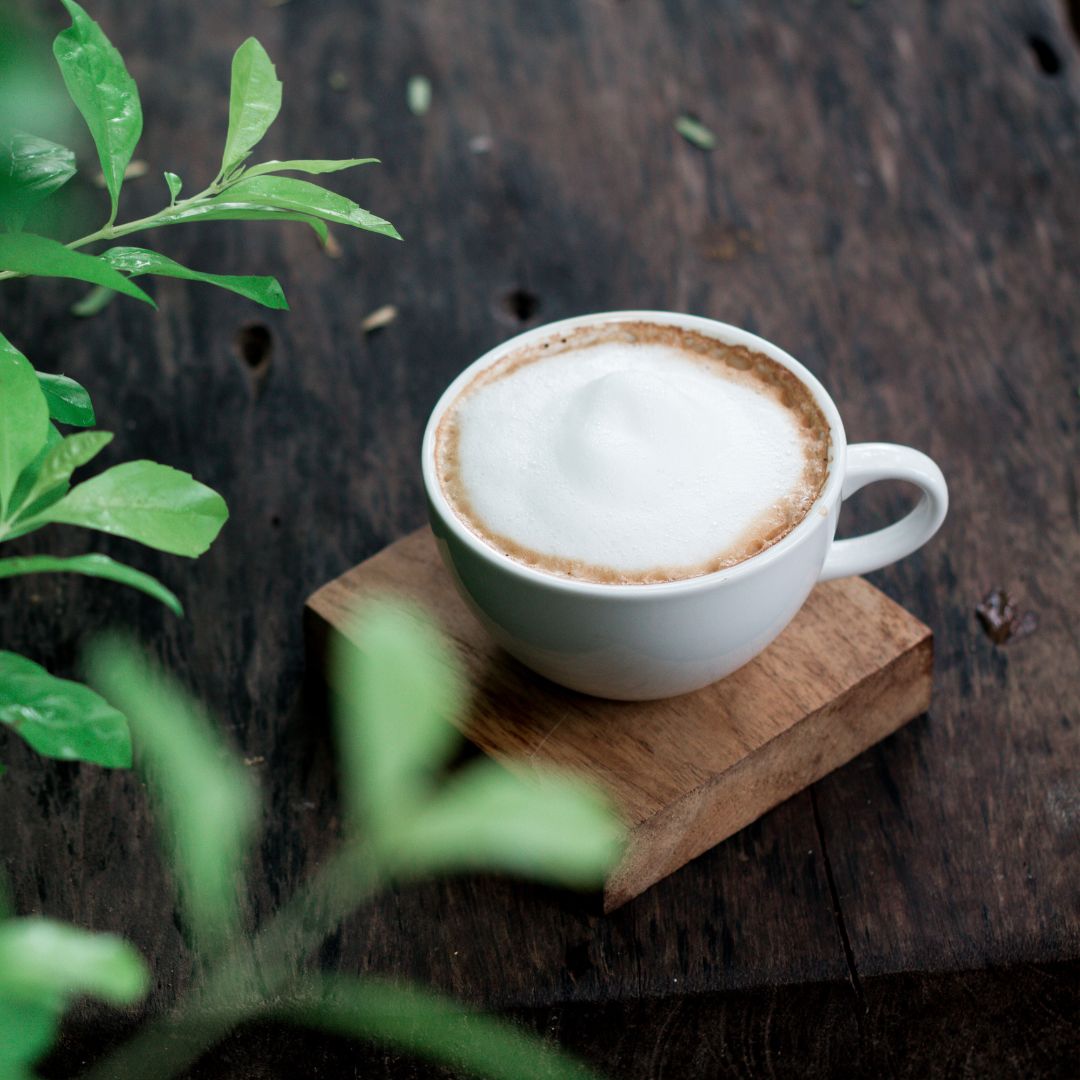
(418, 95)
(61, 460)
(27, 1030)
(399, 689)
(24, 419)
(99, 566)
(45, 962)
(42, 257)
(314, 166)
(17, 504)
(175, 184)
(68, 402)
(433, 1027)
(133, 261)
(30, 170)
(222, 209)
(695, 133)
(304, 197)
(103, 92)
(547, 826)
(94, 302)
(254, 102)
(161, 507)
(60, 718)
(205, 796)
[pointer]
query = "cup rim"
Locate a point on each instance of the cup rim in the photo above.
(725, 332)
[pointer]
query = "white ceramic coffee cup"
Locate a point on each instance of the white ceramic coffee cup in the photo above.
(636, 642)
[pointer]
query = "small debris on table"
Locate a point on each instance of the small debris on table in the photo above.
(97, 299)
(330, 246)
(338, 81)
(695, 132)
(258, 759)
(723, 243)
(481, 144)
(418, 95)
(132, 171)
(379, 318)
(1002, 621)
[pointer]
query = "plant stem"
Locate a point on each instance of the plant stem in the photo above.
(248, 977)
(110, 231)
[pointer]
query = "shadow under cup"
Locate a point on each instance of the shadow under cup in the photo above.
(646, 641)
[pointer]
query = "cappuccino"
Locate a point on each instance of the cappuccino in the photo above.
(632, 453)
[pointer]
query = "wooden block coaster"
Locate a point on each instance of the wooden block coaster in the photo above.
(686, 772)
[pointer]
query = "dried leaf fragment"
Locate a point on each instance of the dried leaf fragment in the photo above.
(331, 247)
(97, 299)
(1001, 620)
(695, 132)
(132, 171)
(379, 318)
(418, 95)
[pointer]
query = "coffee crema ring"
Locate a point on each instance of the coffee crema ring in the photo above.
(631, 439)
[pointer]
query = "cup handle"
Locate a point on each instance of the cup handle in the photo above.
(867, 463)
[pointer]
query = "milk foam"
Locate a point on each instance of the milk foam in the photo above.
(629, 461)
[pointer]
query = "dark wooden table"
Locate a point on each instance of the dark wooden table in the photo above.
(895, 198)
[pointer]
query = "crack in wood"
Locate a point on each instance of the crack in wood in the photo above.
(838, 915)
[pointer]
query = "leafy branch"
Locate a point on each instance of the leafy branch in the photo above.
(397, 690)
(140, 500)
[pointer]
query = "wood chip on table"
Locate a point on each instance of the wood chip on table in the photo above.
(380, 317)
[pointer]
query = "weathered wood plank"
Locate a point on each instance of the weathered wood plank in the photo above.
(892, 199)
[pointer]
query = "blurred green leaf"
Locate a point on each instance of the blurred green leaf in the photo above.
(94, 302)
(61, 460)
(99, 566)
(27, 1030)
(68, 402)
(133, 261)
(34, 95)
(304, 197)
(45, 962)
(60, 718)
(225, 209)
(254, 102)
(24, 419)
(175, 184)
(161, 507)
(434, 1027)
(31, 169)
(204, 795)
(546, 826)
(313, 166)
(399, 689)
(103, 92)
(28, 254)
